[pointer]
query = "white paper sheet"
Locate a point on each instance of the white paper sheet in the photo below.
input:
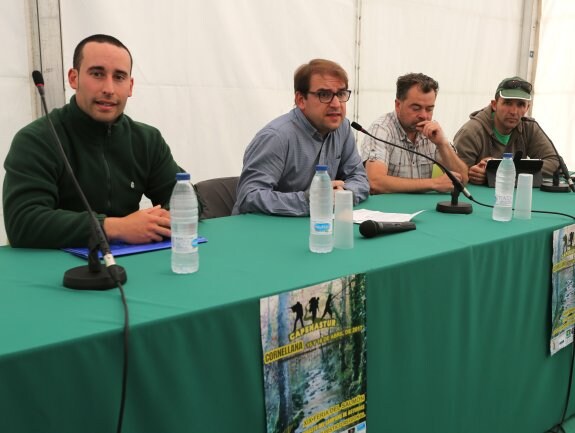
(361, 215)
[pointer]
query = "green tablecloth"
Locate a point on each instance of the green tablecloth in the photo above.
(458, 327)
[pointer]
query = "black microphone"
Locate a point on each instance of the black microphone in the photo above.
(562, 165)
(38, 81)
(448, 207)
(85, 277)
(370, 228)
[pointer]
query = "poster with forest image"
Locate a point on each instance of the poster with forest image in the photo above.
(314, 358)
(563, 292)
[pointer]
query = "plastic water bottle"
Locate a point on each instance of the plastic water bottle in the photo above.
(504, 188)
(321, 212)
(184, 226)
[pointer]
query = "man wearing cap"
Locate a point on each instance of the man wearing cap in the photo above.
(500, 128)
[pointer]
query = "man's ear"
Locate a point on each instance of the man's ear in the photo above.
(300, 100)
(73, 78)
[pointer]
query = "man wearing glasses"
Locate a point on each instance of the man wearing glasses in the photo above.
(279, 163)
(410, 126)
(500, 128)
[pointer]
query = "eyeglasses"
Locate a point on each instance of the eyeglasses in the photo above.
(517, 84)
(326, 96)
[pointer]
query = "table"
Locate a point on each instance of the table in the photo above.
(458, 327)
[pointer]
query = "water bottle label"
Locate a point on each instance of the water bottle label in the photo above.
(504, 200)
(322, 227)
(184, 244)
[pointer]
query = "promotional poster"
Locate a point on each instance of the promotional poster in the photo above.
(563, 296)
(314, 357)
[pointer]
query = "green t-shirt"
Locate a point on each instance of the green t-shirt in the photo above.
(502, 138)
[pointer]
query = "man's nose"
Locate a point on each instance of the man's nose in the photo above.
(335, 102)
(108, 85)
(514, 109)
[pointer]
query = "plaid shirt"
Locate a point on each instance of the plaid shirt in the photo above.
(400, 163)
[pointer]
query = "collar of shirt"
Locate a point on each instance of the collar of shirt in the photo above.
(307, 126)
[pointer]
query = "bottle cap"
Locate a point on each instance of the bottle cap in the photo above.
(182, 176)
(321, 168)
(508, 155)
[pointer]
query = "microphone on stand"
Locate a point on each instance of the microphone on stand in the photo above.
(87, 277)
(555, 186)
(452, 206)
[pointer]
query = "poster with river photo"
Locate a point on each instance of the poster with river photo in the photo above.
(563, 292)
(315, 358)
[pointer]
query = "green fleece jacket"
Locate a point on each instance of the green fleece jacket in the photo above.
(115, 165)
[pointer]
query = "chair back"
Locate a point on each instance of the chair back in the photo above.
(217, 196)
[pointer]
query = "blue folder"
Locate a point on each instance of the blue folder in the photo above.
(121, 249)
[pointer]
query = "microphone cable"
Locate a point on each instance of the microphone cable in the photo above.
(559, 425)
(457, 184)
(126, 334)
(533, 210)
(459, 187)
(557, 428)
(562, 166)
(448, 207)
(116, 273)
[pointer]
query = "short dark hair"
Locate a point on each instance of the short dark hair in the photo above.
(102, 39)
(302, 76)
(407, 81)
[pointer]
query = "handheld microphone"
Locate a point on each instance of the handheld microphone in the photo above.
(447, 207)
(562, 165)
(85, 277)
(370, 228)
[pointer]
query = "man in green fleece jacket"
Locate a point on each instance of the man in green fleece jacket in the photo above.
(115, 159)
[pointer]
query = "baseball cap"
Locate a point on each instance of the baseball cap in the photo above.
(514, 88)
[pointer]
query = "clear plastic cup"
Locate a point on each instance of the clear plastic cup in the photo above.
(523, 196)
(343, 225)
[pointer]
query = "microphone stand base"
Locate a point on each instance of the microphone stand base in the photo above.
(550, 187)
(82, 278)
(458, 208)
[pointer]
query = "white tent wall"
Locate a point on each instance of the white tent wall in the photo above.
(555, 81)
(468, 47)
(210, 74)
(15, 88)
